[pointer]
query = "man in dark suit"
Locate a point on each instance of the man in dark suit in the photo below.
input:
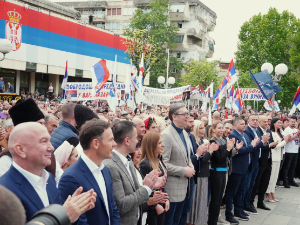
(265, 166)
(97, 141)
(252, 132)
(196, 153)
(238, 177)
(29, 145)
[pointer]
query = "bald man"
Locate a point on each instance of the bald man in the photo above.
(265, 166)
(140, 127)
(30, 147)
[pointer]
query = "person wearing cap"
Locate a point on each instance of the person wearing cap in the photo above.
(66, 155)
(123, 114)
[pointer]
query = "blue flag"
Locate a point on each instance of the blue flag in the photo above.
(264, 82)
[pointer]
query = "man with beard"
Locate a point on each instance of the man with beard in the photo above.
(196, 153)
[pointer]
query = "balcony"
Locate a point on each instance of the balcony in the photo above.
(211, 50)
(211, 24)
(179, 13)
(96, 19)
(181, 47)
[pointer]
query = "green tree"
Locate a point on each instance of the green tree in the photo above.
(201, 72)
(267, 38)
(159, 33)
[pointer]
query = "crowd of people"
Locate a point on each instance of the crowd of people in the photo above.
(155, 165)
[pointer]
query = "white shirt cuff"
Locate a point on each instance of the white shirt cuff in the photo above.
(148, 189)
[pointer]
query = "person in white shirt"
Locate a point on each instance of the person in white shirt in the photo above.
(30, 147)
(128, 193)
(291, 154)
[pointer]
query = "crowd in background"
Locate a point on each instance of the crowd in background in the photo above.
(152, 164)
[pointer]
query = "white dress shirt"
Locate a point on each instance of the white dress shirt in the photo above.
(96, 171)
(38, 182)
(5, 164)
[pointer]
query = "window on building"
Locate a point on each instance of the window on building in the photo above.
(113, 26)
(179, 39)
(100, 25)
(124, 25)
(113, 11)
(179, 25)
(108, 12)
(119, 11)
(130, 11)
(118, 26)
(86, 12)
(108, 26)
(178, 55)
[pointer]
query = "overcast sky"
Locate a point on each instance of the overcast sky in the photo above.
(231, 14)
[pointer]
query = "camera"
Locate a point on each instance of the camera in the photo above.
(52, 215)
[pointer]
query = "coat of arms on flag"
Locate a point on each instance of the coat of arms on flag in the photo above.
(13, 30)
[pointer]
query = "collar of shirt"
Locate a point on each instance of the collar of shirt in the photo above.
(264, 130)
(122, 157)
(33, 179)
(90, 164)
(179, 130)
(242, 134)
(254, 130)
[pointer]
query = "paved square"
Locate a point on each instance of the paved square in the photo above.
(284, 212)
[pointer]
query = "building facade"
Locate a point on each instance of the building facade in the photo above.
(45, 36)
(194, 20)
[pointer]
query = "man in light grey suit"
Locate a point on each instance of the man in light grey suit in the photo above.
(128, 193)
(177, 158)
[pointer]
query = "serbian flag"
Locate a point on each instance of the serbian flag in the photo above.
(231, 74)
(296, 99)
(100, 75)
(64, 83)
(238, 102)
(229, 99)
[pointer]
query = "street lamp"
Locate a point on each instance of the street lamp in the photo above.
(161, 80)
(5, 47)
(280, 70)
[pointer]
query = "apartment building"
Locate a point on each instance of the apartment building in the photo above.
(194, 20)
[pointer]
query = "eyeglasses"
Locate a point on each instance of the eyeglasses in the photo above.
(183, 114)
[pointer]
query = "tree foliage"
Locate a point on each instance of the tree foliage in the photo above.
(268, 38)
(201, 72)
(151, 28)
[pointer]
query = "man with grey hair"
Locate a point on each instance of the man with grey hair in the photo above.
(177, 157)
(51, 123)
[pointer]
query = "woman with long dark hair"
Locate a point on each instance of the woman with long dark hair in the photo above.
(152, 148)
(218, 170)
(277, 152)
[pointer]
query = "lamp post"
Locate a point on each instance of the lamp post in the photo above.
(5, 47)
(161, 80)
(280, 70)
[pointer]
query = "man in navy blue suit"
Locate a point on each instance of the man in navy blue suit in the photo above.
(97, 141)
(30, 147)
(252, 132)
(238, 177)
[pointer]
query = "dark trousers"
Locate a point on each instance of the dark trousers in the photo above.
(261, 184)
(289, 166)
(234, 193)
(217, 186)
(173, 216)
(188, 203)
(154, 219)
(251, 177)
(280, 169)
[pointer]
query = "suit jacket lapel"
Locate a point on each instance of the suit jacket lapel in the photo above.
(52, 191)
(123, 168)
(90, 178)
(26, 188)
(134, 176)
(179, 142)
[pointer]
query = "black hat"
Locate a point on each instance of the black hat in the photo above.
(235, 114)
(82, 114)
(25, 111)
(73, 141)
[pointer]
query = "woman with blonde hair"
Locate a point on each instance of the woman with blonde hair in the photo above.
(152, 148)
(198, 131)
